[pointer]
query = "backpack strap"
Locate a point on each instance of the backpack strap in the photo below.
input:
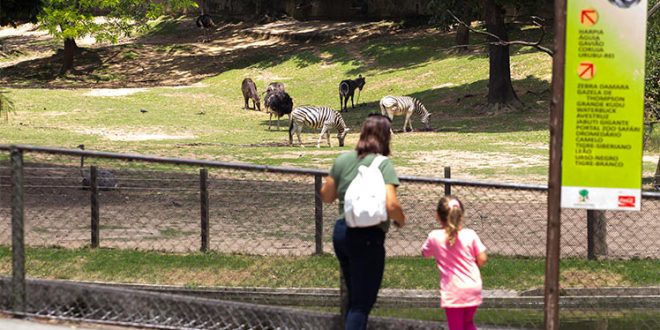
(377, 161)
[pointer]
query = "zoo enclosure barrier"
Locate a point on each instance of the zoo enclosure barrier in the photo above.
(181, 205)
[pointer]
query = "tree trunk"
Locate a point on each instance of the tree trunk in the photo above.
(462, 38)
(70, 49)
(500, 89)
(462, 32)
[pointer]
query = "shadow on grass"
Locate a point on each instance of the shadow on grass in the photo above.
(461, 109)
(173, 54)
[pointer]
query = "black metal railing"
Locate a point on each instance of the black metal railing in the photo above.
(136, 202)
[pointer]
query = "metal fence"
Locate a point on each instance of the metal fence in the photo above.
(272, 217)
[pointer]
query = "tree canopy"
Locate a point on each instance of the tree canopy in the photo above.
(68, 20)
(652, 92)
(14, 12)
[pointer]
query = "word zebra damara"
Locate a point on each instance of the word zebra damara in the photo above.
(404, 105)
(317, 117)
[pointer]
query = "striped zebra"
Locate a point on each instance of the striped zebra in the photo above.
(317, 117)
(404, 105)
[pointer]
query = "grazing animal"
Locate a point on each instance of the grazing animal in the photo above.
(105, 180)
(249, 89)
(404, 105)
(347, 89)
(270, 89)
(280, 104)
(317, 117)
(204, 21)
(275, 86)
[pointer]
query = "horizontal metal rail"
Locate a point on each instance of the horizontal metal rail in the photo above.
(271, 169)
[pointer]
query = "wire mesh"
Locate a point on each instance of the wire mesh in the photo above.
(75, 301)
(270, 220)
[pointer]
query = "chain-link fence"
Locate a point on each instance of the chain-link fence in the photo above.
(264, 227)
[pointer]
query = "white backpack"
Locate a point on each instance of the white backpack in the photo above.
(364, 202)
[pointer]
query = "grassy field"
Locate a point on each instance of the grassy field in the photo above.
(195, 270)
(204, 119)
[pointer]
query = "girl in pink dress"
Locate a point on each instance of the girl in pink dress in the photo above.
(459, 253)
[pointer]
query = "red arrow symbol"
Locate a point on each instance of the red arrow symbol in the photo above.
(588, 71)
(589, 15)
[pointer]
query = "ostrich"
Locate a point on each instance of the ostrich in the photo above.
(279, 103)
(105, 179)
(270, 89)
(204, 22)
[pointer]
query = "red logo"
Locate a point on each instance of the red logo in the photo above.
(626, 201)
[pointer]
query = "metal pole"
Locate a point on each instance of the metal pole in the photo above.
(447, 184)
(551, 296)
(596, 234)
(17, 231)
(94, 195)
(318, 215)
(204, 207)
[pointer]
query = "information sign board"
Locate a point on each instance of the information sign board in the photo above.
(603, 104)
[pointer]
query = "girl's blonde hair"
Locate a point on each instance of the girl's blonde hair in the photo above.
(450, 210)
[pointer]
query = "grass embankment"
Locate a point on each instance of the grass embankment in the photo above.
(313, 271)
(206, 120)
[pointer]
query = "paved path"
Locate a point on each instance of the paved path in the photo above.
(31, 324)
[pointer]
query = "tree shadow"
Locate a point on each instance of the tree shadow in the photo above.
(463, 108)
(172, 56)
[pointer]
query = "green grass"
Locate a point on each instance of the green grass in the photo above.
(213, 269)
(207, 121)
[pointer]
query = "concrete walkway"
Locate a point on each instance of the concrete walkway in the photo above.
(35, 324)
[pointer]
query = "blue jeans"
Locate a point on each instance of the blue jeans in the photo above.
(361, 255)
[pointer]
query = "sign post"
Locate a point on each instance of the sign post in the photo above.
(551, 293)
(603, 104)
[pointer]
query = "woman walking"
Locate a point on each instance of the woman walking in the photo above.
(361, 250)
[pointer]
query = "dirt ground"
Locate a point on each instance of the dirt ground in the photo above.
(182, 56)
(255, 213)
(266, 213)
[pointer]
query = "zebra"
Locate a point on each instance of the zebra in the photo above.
(317, 117)
(399, 105)
(347, 89)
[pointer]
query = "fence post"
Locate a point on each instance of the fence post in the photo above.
(596, 234)
(94, 195)
(204, 207)
(447, 184)
(17, 231)
(318, 215)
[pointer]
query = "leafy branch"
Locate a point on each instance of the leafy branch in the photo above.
(536, 21)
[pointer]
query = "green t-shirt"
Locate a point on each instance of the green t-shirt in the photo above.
(345, 169)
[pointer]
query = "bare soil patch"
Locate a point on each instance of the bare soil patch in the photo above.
(114, 91)
(135, 135)
(265, 213)
(178, 58)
